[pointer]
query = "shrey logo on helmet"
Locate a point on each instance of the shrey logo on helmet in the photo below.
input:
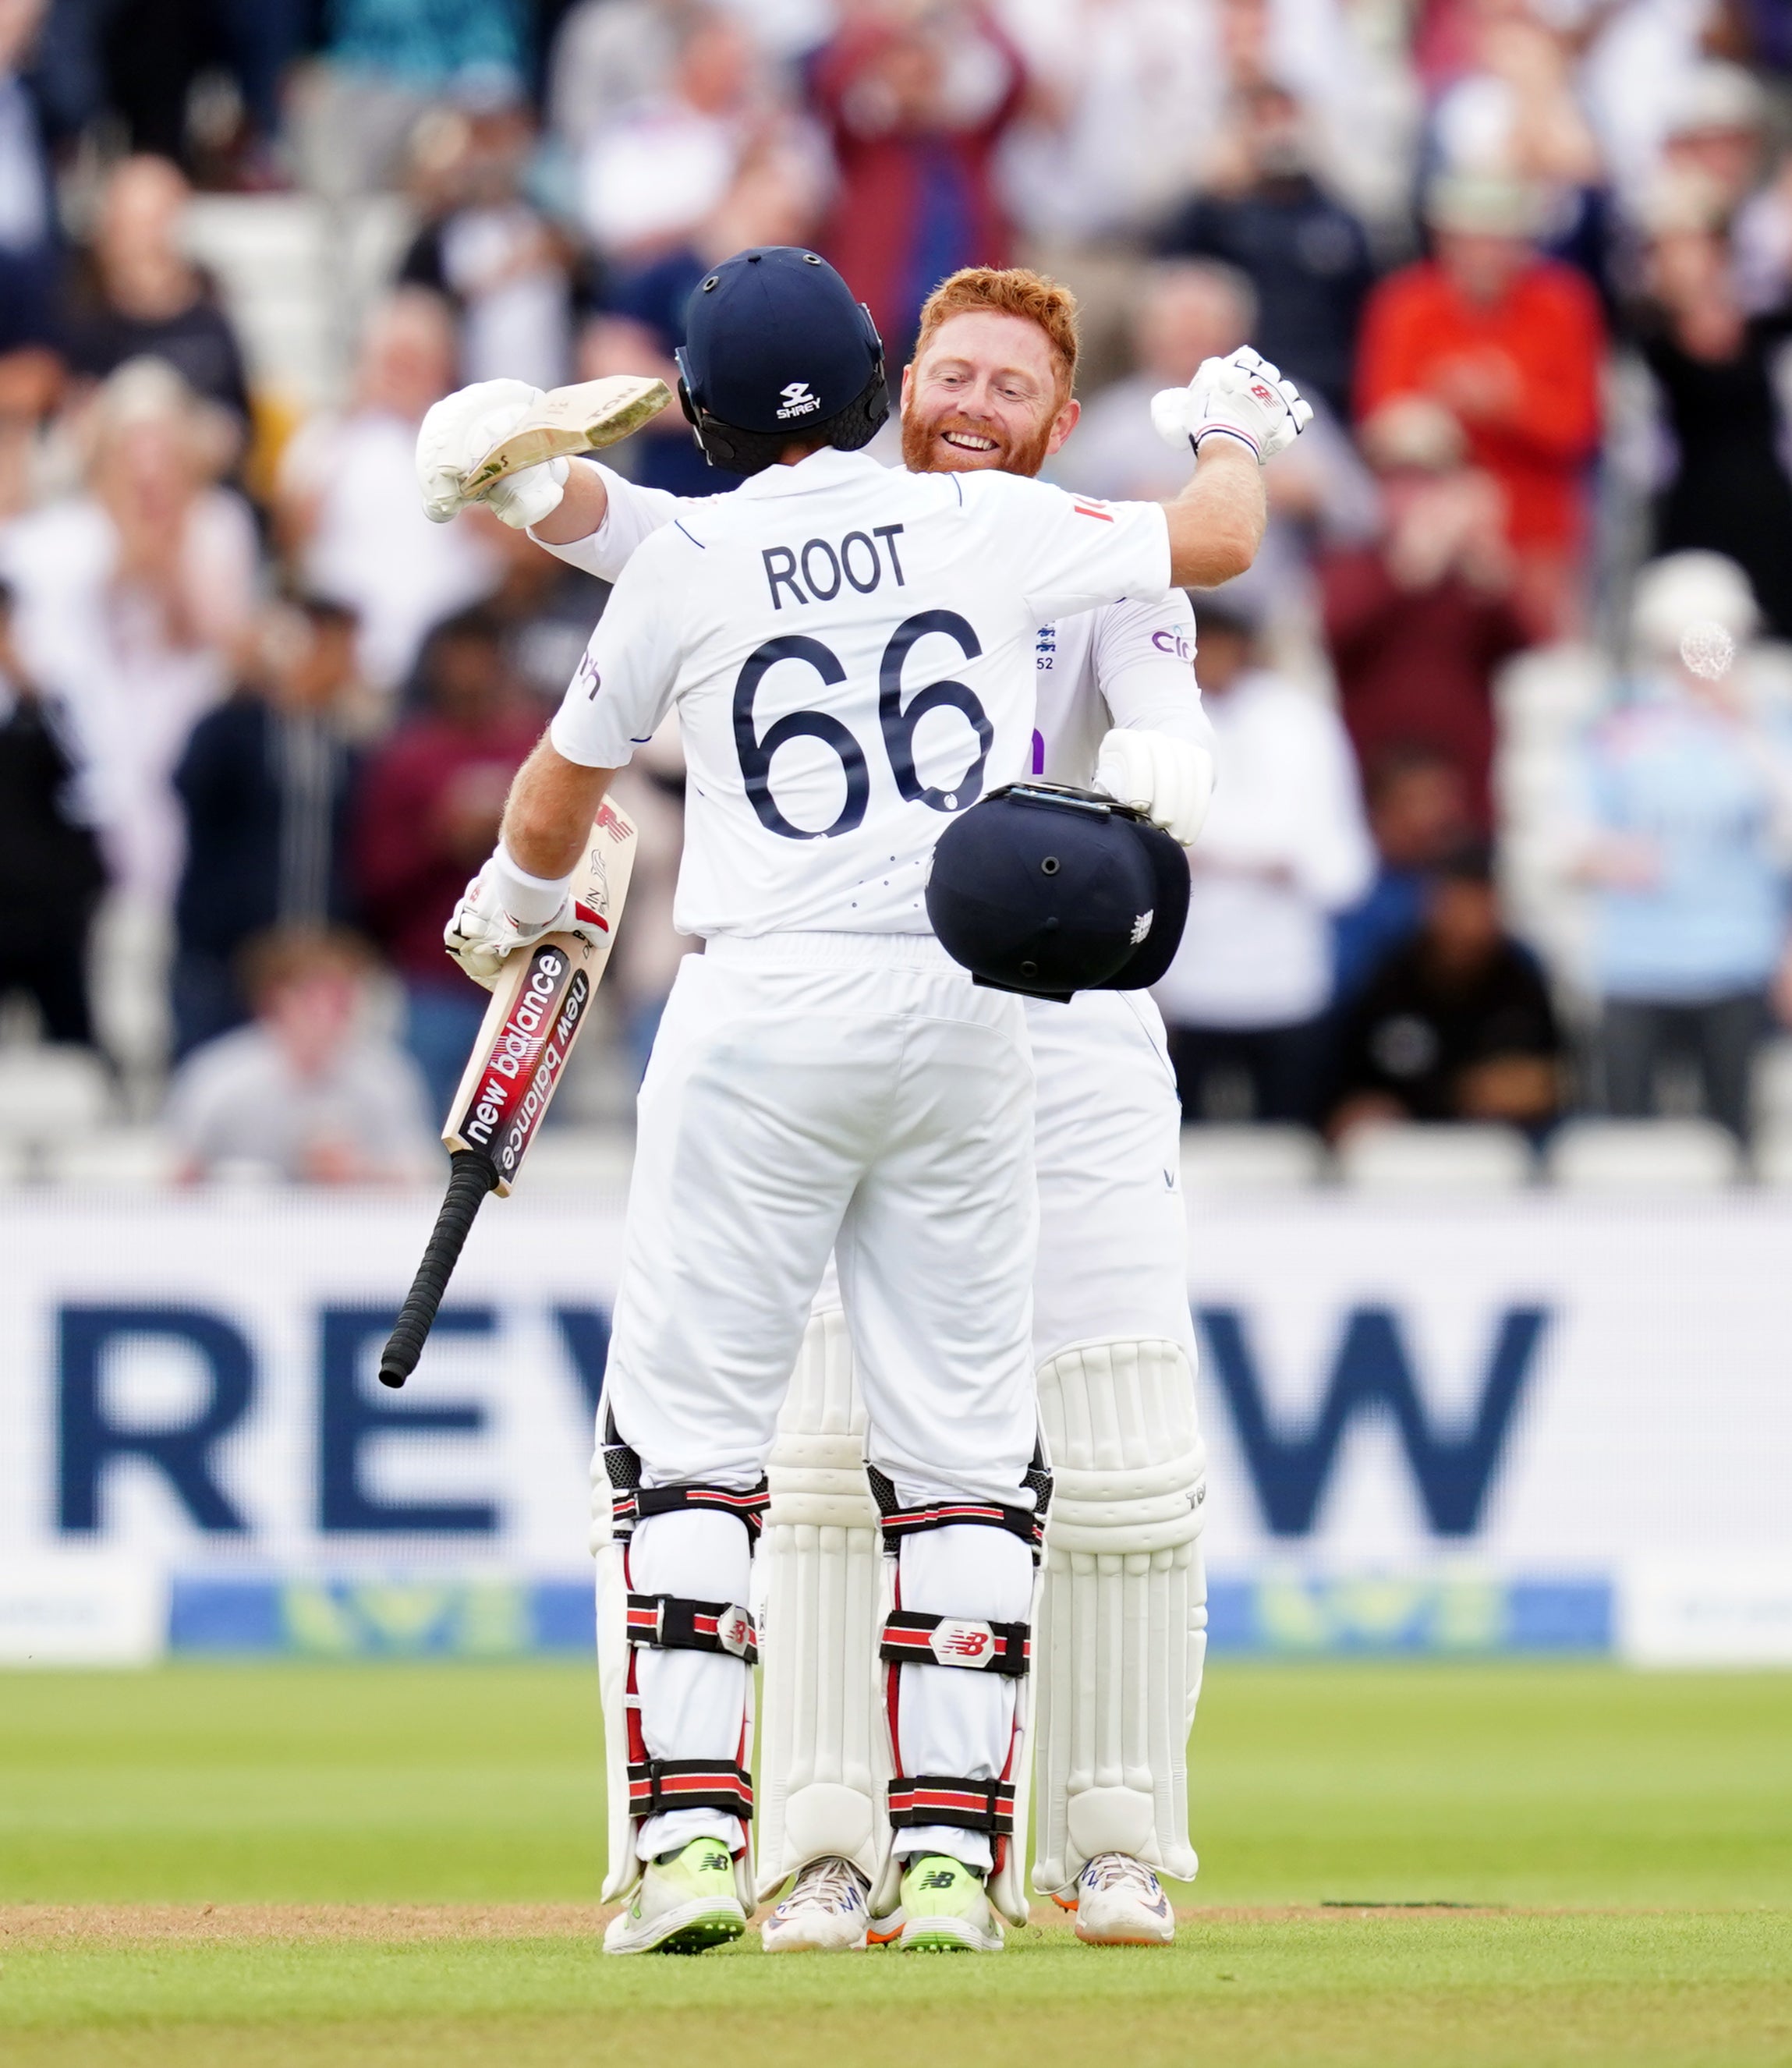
(797, 399)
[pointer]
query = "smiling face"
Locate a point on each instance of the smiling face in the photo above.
(986, 390)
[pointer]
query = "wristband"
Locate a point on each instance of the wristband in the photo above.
(1225, 431)
(530, 900)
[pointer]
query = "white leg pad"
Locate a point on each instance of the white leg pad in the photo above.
(1123, 1632)
(824, 1766)
(610, 1550)
(620, 1704)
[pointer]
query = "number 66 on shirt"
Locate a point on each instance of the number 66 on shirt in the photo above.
(855, 714)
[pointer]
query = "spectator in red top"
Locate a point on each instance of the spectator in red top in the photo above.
(1419, 621)
(916, 102)
(430, 807)
(1512, 344)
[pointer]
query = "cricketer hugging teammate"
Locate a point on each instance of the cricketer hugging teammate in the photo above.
(908, 1129)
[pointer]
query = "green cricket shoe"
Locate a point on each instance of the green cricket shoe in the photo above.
(685, 1904)
(945, 1908)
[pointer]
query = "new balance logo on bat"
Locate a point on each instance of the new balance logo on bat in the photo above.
(797, 401)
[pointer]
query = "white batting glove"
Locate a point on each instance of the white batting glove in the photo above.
(485, 928)
(1170, 780)
(456, 435)
(1243, 397)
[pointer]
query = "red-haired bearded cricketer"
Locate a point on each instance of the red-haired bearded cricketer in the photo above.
(885, 1826)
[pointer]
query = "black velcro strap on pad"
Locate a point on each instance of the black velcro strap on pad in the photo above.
(668, 1622)
(657, 1784)
(966, 1805)
(748, 1507)
(961, 1641)
(899, 1522)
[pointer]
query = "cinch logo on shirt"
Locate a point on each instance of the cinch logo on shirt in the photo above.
(798, 401)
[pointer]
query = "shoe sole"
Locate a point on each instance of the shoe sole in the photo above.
(691, 1935)
(940, 1936)
(813, 1946)
(1089, 1938)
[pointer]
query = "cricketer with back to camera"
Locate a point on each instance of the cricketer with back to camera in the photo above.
(827, 1079)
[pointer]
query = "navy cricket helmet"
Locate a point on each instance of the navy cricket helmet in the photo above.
(1047, 890)
(775, 349)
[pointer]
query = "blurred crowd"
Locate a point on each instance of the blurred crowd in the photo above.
(1505, 710)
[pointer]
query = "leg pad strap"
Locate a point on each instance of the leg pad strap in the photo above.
(967, 1805)
(1028, 1524)
(631, 1502)
(667, 1622)
(961, 1641)
(655, 1784)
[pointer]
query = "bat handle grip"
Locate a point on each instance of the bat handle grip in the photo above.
(470, 1178)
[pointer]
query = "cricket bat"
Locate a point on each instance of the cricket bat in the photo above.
(584, 417)
(540, 1001)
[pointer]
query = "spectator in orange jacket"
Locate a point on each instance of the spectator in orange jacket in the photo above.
(1511, 343)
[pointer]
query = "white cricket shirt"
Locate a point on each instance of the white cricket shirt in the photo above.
(1130, 663)
(851, 650)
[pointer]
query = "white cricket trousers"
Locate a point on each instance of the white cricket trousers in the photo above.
(856, 1093)
(1113, 1260)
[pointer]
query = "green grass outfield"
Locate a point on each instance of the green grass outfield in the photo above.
(295, 1864)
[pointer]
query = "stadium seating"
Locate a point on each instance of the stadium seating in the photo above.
(1610, 1156)
(1250, 1159)
(1396, 1158)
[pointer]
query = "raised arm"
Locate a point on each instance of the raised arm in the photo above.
(1234, 415)
(583, 505)
(1216, 524)
(577, 509)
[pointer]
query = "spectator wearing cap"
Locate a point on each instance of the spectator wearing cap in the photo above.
(1514, 111)
(1457, 1024)
(147, 298)
(427, 816)
(265, 786)
(51, 873)
(1715, 371)
(1512, 344)
(1418, 621)
(1686, 808)
(917, 102)
(306, 1092)
(1306, 255)
(1716, 135)
(1284, 848)
(345, 497)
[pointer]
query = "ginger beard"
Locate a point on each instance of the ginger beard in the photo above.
(928, 445)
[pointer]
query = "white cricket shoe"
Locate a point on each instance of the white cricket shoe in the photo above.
(1118, 1903)
(685, 1902)
(827, 1911)
(945, 1908)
